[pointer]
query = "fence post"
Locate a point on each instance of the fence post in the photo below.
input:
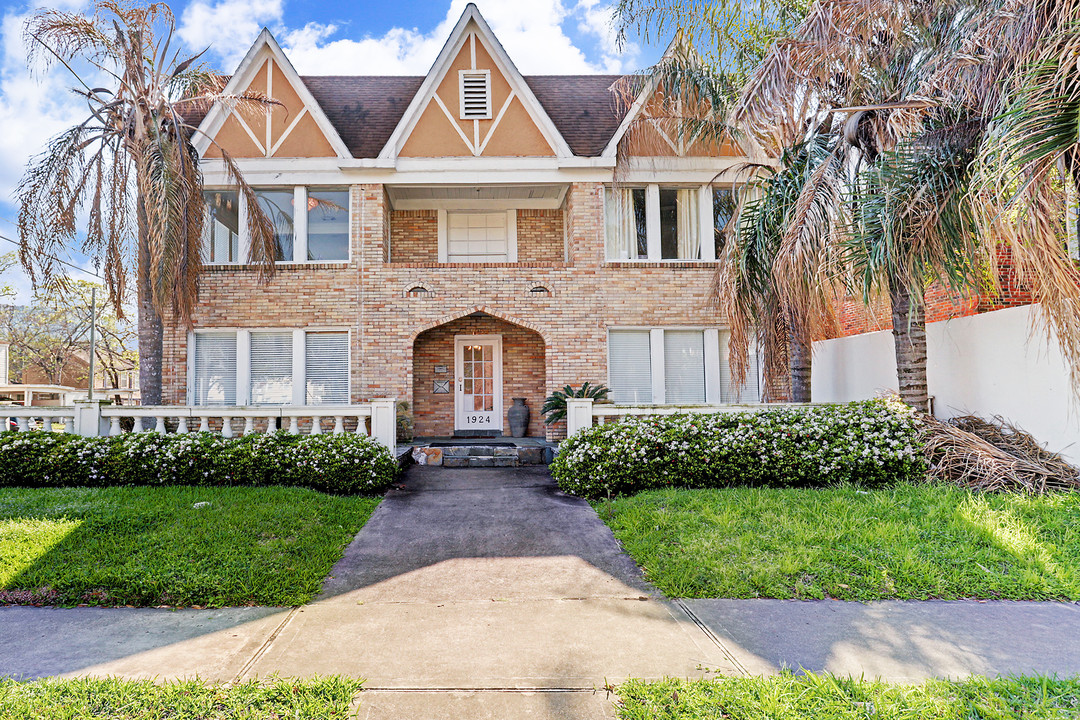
(88, 420)
(578, 414)
(384, 423)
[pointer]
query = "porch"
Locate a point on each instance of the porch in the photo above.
(450, 451)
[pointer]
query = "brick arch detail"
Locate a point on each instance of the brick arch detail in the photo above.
(487, 311)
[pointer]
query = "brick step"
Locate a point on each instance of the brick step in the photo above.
(484, 456)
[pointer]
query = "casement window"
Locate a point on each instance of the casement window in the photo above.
(221, 228)
(676, 366)
(660, 222)
(477, 237)
(475, 89)
(311, 224)
(270, 367)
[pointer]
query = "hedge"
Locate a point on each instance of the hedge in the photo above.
(871, 443)
(341, 464)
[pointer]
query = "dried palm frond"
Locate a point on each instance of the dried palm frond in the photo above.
(993, 459)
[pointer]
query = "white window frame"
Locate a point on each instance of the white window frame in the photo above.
(300, 225)
(652, 222)
(243, 360)
(462, 74)
(511, 232)
(712, 356)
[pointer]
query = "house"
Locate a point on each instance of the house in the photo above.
(457, 240)
(116, 379)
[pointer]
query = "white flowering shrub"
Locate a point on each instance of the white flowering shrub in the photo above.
(343, 464)
(869, 443)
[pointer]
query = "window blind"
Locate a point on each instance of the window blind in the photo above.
(271, 368)
(684, 366)
(629, 366)
(215, 369)
(327, 358)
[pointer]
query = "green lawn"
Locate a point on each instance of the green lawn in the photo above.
(151, 546)
(823, 697)
(113, 699)
(910, 541)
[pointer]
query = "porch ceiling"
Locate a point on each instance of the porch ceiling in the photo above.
(476, 197)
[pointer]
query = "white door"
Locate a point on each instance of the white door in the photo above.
(478, 370)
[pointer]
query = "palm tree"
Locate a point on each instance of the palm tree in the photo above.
(130, 167)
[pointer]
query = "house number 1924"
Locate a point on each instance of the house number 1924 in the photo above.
(475, 419)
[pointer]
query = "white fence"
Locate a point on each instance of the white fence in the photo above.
(582, 412)
(377, 419)
(988, 364)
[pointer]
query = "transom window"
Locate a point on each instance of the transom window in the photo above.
(311, 224)
(675, 366)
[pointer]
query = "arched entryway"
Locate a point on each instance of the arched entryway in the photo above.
(467, 371)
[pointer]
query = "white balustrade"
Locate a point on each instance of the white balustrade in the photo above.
(581, 413)
(39, 418)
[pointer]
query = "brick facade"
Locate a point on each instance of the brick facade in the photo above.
(414, 236)
(582, 296)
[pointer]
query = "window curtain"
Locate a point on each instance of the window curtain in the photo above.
(689, 237)
(621, 225)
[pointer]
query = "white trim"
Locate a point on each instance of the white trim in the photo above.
(443, 231)
(706, 228)
(266, 47)
(450, 117)
(300, 224)
(467, 204)
(190, 397)
(511, 235)
(652, 221)
(243, 243)
(243, 367)
(299, 367)
(656, 358)
(713, 381)
(287, 131)
(503, 64)
(497, 387)
(495, 125)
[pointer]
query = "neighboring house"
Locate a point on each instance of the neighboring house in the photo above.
(116, 377)
(456, 240)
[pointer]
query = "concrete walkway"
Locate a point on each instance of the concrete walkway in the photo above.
(489, 594)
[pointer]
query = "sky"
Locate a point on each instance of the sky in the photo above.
(362, 37)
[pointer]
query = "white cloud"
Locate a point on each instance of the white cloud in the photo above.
(533, 33)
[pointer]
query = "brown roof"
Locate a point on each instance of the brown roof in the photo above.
(365, 109)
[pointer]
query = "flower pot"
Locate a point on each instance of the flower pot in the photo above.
(518, 417)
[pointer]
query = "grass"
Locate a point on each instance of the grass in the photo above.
(114, 699)
(151, 546)
(908, 542)
(825, 697)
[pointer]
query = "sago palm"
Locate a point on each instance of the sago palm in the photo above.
(129, 167)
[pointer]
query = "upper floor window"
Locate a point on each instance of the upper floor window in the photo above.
(477, 237)
(311, 224)
(659, 222)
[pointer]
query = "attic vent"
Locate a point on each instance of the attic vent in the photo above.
(475, 94)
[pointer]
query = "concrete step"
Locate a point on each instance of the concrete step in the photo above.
(459, 456)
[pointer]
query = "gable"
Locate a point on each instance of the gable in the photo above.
(294, 128)
(655, 131)
(512, 123)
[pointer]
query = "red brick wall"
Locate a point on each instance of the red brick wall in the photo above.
(523, 372)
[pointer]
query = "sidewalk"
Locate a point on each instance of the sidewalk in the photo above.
(482, 593)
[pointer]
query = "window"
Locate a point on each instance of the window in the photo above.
(480, 237)
(629, 366)
(270, 367)
(328, 224)
(475, 88)
(660, 223)
(310, 224)
(327, 360)
(675, 366)
(215, 369)
(221, 231)
(723, 206)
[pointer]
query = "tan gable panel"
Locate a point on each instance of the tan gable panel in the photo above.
(235, 140)
(281, 117)
(305, 140)
(434, 136)
(517, 136)
(656, 133)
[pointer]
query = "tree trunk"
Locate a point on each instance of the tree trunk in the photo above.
(909, 337)
(151, 346)
(799, 360)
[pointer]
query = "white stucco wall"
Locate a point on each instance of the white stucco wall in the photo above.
(988, 364)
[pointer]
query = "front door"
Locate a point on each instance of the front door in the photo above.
(478, 372)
